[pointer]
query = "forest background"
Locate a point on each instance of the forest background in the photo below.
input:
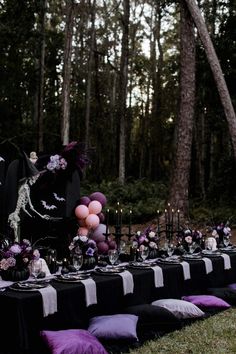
(108, 73)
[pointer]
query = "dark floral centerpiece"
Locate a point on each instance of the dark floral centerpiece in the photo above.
(222, 233)
(190, 238)
(15, 258)
(147, 238)
(87, 247)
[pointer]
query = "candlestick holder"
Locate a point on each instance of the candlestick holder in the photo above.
(118, 234)
(129, 235)
(106, 234)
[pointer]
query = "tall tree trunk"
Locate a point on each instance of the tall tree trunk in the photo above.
(179, 189)
(123, 88)
(41, 76)
(216, 69)
(89, 77)
(65, 126)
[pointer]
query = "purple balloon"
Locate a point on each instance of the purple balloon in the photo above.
(84, 200)
(100, 197)
(102, 247)
(101, 217)
(112, 245)
(97, 234)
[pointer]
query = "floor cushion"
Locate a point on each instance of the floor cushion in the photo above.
(154, 318)
(227, 294)
(72, 341)
(114, 327)
(206, 301)
(180, 308)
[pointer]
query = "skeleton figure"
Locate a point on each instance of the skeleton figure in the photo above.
(22, 201)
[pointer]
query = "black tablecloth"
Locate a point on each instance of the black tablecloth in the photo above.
(22, 313)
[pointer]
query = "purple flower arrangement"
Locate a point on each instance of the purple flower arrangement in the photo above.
(84, 245)
(16, 255)
(147, 238)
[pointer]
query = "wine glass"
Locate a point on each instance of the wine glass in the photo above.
(144, 252)
(170, 249)
(77, 261)
(36, 268)
(113, 256)
(226, 241)
(192, 247)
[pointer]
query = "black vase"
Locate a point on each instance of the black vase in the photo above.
(153, 253)
(15, 274)
(89, 262)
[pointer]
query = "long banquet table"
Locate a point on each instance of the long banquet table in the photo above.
(22, 314)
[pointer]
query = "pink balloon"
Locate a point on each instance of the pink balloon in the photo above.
(95, 207)
(92, 221)
(81, 211)
(97, 234)
(100, 197)
(84, 200)
(102, 247)
(83, 231)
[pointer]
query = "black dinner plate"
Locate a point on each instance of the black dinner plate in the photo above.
(190, 257)
(71, 278)
(211, 253)
(109, 271)
(29, 285)
(169, 260)
(142, 265)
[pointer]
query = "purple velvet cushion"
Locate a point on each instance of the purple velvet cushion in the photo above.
(121, 326)
(72, 341)
(206, 301)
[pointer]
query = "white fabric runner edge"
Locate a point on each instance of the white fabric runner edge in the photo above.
(90, 291)
(49, 297)
(186, 270)
(128, 282)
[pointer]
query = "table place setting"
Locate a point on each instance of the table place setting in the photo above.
(170, 260)
(71, 277)
(192, 256)
(210, 253)
(109, 270)
(29, 285)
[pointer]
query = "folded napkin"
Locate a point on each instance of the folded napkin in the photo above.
(45, 268)
(227, 261)
(128, 282)
(208, 265)
(90, 291)
(186, 270)
(158, 276)
(5, 283)
(49, 295)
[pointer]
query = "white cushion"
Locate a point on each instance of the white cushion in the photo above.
(180, 308)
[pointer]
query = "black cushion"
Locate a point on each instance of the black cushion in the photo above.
(227, 294)
(154, 318)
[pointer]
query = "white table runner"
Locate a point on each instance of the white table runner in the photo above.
(90, 291)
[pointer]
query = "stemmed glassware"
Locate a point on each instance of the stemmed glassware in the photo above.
(77, 261)
(192, 247)
(226, 241)
(113, 256)
(170, 249)
(36, 268)
(144, 252)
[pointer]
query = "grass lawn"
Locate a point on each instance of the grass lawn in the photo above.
(214, 335)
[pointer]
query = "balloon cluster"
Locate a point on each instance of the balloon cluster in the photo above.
(90, 218)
